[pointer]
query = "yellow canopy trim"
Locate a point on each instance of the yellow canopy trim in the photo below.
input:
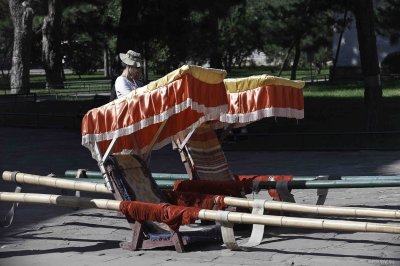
(207, 75)
(243, 84)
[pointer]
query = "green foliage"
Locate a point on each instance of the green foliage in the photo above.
(391, 63)
(6, 36)
(388, 17)
(239, 32)
(160, 62)
(189, 31)
(308, 23)
(82, 57)
(88, 27)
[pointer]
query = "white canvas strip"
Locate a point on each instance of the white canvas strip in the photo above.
(228, 235)
(322, 193)
(97, 155)
(183, 143)
(257, 233)
(283, 191)
(109, 148)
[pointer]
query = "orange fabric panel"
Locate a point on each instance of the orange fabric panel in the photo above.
(173, 216)
(243, 184)
(145, 136)
(265, 97)
(181, 102)
(190, 199)
(253, 177)
(215, 187)
(132, 110)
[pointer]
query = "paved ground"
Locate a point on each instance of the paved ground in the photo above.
(43, 235)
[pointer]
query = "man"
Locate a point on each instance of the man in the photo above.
(129, 80)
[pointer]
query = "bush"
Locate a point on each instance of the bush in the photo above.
(391, 63)
(83, 57)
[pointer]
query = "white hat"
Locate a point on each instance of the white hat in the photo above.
(131, 58)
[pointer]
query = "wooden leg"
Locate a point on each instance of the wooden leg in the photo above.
(178, 243)
(137, 238)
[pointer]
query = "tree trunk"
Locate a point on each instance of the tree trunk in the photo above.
(364, 14)
(128, 22)
(285, 60)
(145, 63)
(51, 45)
(22, 16)
(332, 77)
(6, 58)
(215, 53)
(106, 61)
(295, 61)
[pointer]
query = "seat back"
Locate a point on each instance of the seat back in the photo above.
(207, 159)
(132, 179)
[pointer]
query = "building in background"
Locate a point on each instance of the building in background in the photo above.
(348, 65)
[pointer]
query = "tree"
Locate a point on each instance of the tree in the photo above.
(190, 31)
(6, 36)
(88, 28)
(364, 14)
(51, 45)
(296, 25)
(389, 19)
(22, 16)
(239, 33)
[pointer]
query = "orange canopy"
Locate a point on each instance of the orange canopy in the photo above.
(151, 116)
(256, 97)
(171, 107)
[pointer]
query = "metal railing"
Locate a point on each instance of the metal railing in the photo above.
(67, 88)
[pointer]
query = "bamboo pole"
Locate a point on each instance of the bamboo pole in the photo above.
(56, 182)
(167, 184)
(315, 209)
(67, 201)
(309, 223)
(84, 184)
(230, 201)
(232, 217)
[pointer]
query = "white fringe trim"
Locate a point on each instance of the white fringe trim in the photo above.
(260, 114)
(212, 113)
(157, 146)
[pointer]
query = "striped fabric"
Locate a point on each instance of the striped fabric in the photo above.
(207, 155)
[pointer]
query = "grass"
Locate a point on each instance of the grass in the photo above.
(72, 77)
(250, 71)
(38, 81)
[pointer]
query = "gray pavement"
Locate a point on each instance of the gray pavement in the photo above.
(49, 235)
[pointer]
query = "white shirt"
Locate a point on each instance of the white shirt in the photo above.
(123, 86)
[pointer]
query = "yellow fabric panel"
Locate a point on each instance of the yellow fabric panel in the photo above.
(207, 75)
(243, 84)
